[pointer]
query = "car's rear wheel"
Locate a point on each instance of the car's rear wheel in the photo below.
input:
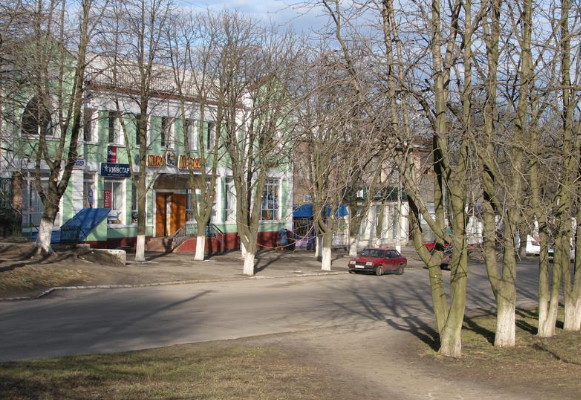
(379, 270)
(400, 269)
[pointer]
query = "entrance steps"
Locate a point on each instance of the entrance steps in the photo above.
(159, 244)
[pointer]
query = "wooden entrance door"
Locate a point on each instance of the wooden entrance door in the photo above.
(161, 214)
(177, 212)
(170, 214)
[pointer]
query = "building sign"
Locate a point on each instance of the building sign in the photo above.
(107, 197)
(186, 162)
(79, 164)
(170, 158)
(158, 160)
(112, 170)
(155, 160)
(111, 154)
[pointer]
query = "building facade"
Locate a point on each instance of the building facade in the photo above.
(102, 175)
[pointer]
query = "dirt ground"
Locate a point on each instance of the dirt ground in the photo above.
(379, 360)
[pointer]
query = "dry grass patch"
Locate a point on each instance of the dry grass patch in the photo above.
(199, 371)
(550, 365)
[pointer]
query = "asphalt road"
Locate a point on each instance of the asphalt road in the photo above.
(112, 320)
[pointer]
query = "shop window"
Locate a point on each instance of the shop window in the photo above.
(32, 206)
(113, 198)
(134, 203)
(89, 194)
(270, 200)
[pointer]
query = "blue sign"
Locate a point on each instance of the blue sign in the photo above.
(112, 170)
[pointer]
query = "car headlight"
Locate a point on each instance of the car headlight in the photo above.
(369, 263)
(352, 262)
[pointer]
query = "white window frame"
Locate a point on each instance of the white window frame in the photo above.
(229, 200)
(166, 134)
(89, 182)
(118, 195)
(270, 201)
(117, 137)
(192, 132)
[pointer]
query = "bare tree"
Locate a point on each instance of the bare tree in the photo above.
(51, 67)
(254, 70)
(133, 40)
(195, 61)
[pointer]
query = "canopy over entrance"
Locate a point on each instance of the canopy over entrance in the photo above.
(178, 181)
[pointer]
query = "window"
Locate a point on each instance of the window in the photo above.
(5, 193)
(270, 200)
(166, 132)
(114, 127)
(230, 201)
(210, 135)
(136, 118)
(88, 118)
(89, 190)
(191, 132)
(32, 206)
(36, 119)
(113, 198)
(190, 204)
(134, 206)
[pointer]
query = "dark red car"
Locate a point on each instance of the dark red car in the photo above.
(378, 261)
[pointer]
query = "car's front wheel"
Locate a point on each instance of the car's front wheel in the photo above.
(400, 269)
(379, 270)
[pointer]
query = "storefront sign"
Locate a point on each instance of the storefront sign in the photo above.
(170, 158)
(107, 196)
(158, 160)
(79, 164)
(155, 160)
(186, 162)
(115, 170)
(112, 154)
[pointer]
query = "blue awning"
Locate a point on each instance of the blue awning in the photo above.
(306, 211)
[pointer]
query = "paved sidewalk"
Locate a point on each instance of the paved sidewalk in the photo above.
(179, 268)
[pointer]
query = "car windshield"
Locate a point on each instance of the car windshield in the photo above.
(372, 253)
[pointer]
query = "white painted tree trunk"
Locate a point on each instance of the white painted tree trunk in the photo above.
(572, 315)
(200, 248)
(140, 249)
(326, 259)
(249, 264)
(242, 251)
(44, 236)
(505, 325)
(319, 247)
(353, 246)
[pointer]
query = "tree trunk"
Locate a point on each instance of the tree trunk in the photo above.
(140, 248)
(319, 247)
(353, 246)
(200, 247)
(44, 235)
(249, 264)
(547, 325)
(505, 322)
(243, 250)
